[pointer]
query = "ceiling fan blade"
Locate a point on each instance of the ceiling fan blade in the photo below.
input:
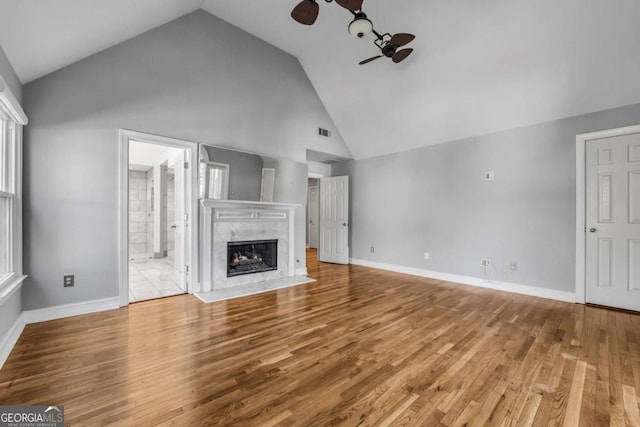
(401, 39)
(366, 61)
(306, 12)
(401, 55)
(352, 5)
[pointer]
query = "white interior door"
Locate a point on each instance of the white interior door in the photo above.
(334, 220)
(268, 184)
(613, 221)
(181, 219)
(314, 220)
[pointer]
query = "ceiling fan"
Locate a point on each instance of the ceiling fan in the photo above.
(389, 45)
(306, 12)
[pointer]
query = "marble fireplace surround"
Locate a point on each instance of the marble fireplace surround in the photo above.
(232, 220)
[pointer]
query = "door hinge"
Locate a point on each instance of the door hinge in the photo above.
(186, 165)
(186, 269)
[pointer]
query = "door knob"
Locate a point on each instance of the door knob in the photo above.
(592, 230)
(344, 224)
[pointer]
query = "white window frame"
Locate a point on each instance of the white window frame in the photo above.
(224, 184)
(7, 192)
(12, 119)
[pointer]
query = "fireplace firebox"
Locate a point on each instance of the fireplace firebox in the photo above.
(251, 257)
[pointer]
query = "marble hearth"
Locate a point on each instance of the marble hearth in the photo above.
(235, 221)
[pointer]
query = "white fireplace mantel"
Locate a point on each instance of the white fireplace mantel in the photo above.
(246, 204)
(242, 215)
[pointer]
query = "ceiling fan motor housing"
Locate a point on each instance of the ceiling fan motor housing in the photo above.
(389, 51)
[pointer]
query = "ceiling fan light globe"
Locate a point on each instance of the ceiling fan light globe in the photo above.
(360, 27)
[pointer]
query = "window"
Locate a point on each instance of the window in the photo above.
(214, 180)
(7, 196)
(10, 187)
(5, 238)
(218, 181)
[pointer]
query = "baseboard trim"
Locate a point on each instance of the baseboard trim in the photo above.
(68, 310)
(301, 271)
(471, 281)
(10, 339)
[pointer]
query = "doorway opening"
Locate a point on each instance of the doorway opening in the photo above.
(327, 216)
(156, 209)
(153, 227)
(313, 212)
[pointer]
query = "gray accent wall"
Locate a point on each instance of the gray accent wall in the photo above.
(196, 78)
(435, 199)
(9, 76)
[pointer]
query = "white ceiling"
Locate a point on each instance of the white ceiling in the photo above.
(479, 67)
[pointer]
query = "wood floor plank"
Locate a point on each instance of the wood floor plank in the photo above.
(357, 347)
(572, 416)
(631, 412)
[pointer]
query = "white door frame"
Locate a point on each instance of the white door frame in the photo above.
(314, 176)
(125, 136)
(581, 202)
(309, 212)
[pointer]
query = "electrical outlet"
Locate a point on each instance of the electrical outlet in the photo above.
(485, 262)
(69, 281)
(513, 266)
(372, 250)
(427, 256)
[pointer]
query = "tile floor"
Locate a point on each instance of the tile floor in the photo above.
(152, 278)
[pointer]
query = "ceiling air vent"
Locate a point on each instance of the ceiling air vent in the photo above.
(324, 132)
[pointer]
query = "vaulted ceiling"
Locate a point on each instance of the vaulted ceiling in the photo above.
(479, 67)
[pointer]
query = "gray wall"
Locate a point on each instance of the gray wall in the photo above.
(245, 172)
(9, 311)
(291, 187)
(9, 76)
(320, 168)
(196, 78)
(434, 199)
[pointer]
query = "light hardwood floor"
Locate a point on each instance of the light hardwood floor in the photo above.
(357, 347)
